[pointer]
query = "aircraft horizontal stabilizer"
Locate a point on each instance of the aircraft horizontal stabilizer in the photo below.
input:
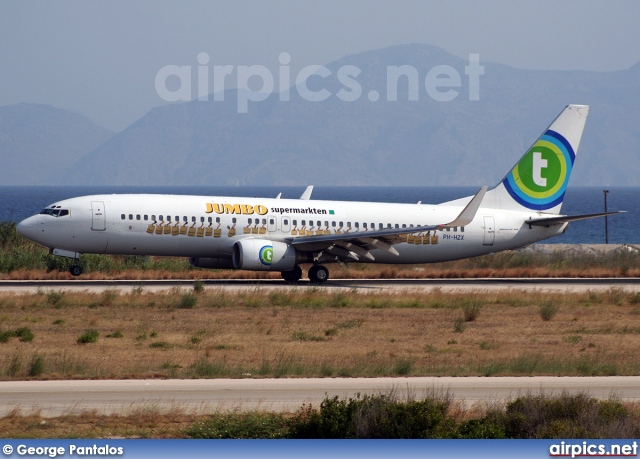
(566, 218)
(469, 212)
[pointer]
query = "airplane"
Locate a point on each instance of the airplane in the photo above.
(275, 234)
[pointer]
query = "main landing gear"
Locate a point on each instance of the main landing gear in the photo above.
(292, 276)
(76, 269)
(317, 274)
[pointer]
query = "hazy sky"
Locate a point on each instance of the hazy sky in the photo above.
(101, 58)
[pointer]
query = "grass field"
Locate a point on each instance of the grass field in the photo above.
(310, 332)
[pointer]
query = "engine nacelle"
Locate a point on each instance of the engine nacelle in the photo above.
(263, 255)
(211, 263)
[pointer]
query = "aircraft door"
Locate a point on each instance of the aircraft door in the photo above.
(286, 225)
(489, 230)
(271, 223)
(98, 222)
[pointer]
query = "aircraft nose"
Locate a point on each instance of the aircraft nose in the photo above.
(27, 227)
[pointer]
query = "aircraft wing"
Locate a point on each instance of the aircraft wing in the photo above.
(352, 245)
(567, 218)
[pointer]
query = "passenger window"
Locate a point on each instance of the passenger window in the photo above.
(462, 229)
(233, 220)
(138, 217)
(249, 221)
(146, 217)
(285, 222)
(201, 219)
(341, 225)
(455, 229)
(130, 216)
(348, 224)
(185, 219)
(217, 219)
(169, 218)
(295, 222)
(264, 221)
(193, 219)
(122, 216)
(333, 224)
(272, 221)
(357, 224)
(210, 220)
(448, 229)
(319, 223)
(153, 217)
(364, 225)
(302, 222)
(404, 225)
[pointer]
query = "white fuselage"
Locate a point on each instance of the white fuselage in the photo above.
(202, 226)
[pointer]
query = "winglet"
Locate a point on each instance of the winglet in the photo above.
(469, 212)
(307, 193)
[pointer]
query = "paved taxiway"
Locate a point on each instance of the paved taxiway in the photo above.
(353, 285)
(53, 398)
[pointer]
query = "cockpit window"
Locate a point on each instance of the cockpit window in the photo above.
(55, 212)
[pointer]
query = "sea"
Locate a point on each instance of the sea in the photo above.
(20, 202)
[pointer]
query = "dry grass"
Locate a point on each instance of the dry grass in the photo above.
(144, 423)
(310, 332)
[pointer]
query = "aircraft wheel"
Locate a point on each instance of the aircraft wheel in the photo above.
(318, 274)
(292, 276)
(75, 270)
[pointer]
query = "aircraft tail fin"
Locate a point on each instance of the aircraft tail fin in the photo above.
(539, 180)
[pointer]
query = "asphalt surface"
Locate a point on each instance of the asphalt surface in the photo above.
(54, 398)
(355, 285)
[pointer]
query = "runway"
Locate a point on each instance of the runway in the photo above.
(55, 398)
(353, 285)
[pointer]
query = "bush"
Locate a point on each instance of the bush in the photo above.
(90, 336)
(198, 286)
(249, 425)
(187, 301)
(36, 366)
(24, 334)
(471, 308)
(374, 416)
(548, 310)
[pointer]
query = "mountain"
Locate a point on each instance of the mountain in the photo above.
(383, 142)
(38, 143)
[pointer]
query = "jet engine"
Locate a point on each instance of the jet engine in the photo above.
(263, 255)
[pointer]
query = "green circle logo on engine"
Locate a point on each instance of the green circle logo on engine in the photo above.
(266, 255)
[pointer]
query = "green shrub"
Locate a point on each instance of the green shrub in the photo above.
(54, 297)
(471, 308)
(24, 334)
(115, 334)
(548, 310)
(90, 336)
(198, 286)
(36, 366)
(187, 301)
(374, 416)
(246, 425)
